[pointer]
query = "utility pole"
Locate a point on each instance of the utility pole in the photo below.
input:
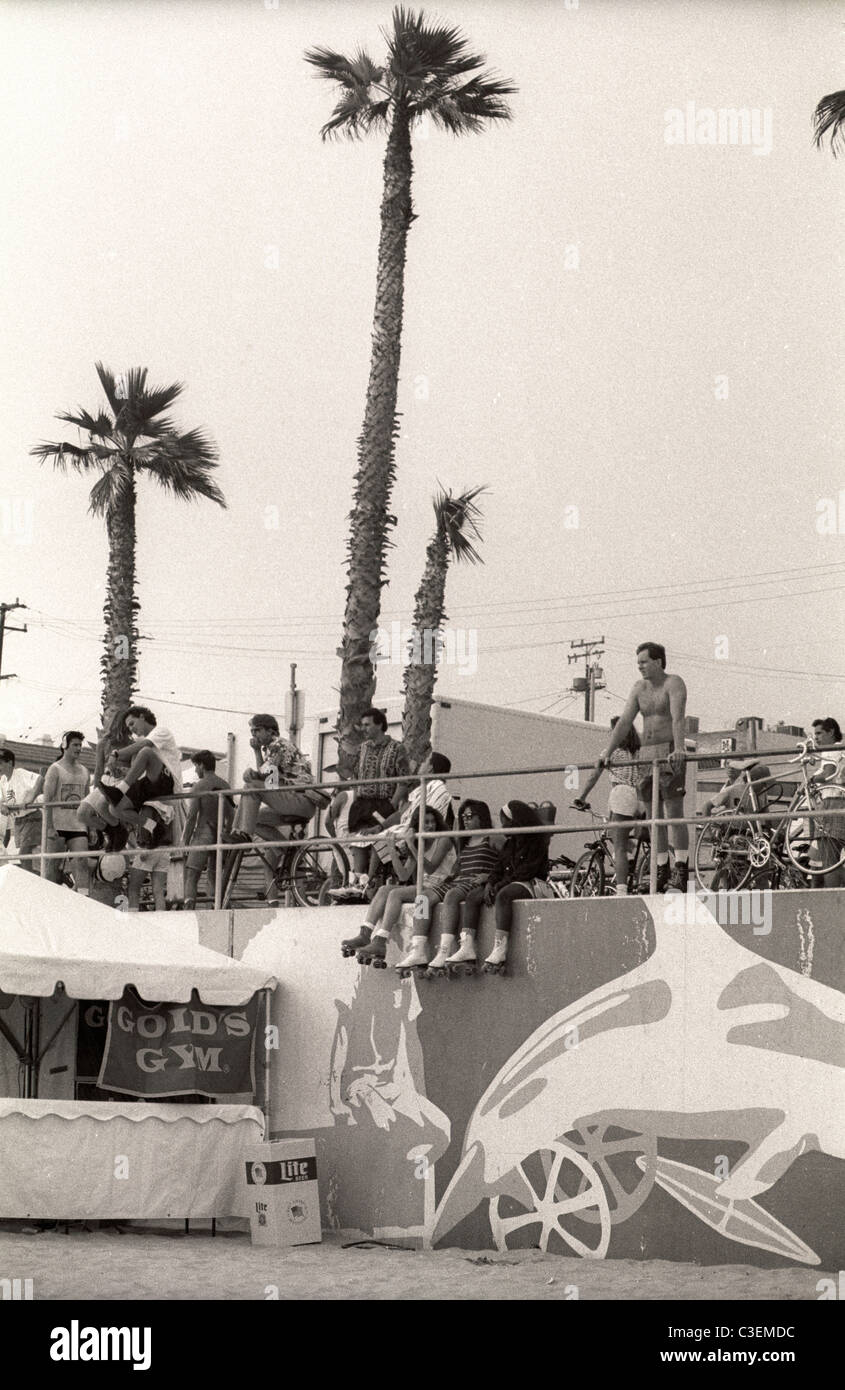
(7, 627)
(294, 707)
(591, 681)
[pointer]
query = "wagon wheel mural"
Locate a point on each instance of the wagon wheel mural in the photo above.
(625, 1161)
(548, 1190)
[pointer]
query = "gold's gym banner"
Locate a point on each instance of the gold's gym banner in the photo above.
(156, 1050)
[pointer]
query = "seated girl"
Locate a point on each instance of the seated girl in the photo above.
(384, 911)
(477, 858)
(521, 871)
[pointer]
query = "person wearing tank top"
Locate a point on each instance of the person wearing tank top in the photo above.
(65, 784)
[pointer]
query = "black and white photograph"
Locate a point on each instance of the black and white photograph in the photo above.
(422, 773)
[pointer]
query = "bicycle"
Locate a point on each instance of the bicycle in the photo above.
(736, 845)
(594, 875)
(304, 871)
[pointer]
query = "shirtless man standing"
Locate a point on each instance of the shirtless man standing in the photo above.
(661, 699)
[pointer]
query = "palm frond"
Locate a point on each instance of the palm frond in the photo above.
(352, 116)
(829, 117)
(148, 404)
(415, 46)
(464, 109)
(109, 385)
(107, 490)
(181, 464)
(459, 520)
(335, 67)
(101, 425)
(64, 456)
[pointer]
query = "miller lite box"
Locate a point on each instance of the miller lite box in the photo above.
(283, 1199)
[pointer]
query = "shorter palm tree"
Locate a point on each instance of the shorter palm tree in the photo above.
(829, 119)
(135, 439)
(456, 527)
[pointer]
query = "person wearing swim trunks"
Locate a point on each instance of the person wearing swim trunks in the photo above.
(661, 699)
(201, 824)
(66, 783)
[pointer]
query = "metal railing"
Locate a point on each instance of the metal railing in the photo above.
(652, 766)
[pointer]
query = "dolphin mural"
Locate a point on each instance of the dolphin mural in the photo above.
(706, 1040)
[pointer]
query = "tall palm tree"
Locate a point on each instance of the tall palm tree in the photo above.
(428, 72)
(829, 117)
(137, 438)
(456, 527)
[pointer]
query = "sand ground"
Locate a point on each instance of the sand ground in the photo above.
(144, 1264)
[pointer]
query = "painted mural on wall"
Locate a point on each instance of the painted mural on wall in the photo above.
(564, 1143)
(378, 1084)
(636, 1087)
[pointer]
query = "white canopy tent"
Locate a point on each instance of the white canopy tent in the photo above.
(52, 939)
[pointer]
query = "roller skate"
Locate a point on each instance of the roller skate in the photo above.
(438, 969)
(495, 962)
(463, 961)
(353, 944)
(416, 961)
(374, 954)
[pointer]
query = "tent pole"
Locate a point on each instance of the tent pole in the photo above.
(36, 1039)
(265, 1071)
(26, 1058)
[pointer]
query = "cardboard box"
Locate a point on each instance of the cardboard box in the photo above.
(282, 1194)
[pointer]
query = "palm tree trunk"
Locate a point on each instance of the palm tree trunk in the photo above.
(119, 661)
(421, 675)
(370, 518)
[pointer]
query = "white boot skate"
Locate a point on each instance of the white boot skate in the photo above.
(416, 959)
(444, 950)
(463, 961)
(495, 962)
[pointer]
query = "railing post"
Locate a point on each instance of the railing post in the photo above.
(655, 812)
(420, 842)
(218, 857)
(41, 863)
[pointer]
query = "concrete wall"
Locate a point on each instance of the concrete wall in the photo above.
(652, 1084)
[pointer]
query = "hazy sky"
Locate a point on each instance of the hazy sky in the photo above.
(636, 344)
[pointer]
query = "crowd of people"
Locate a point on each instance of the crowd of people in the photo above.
(126, 810)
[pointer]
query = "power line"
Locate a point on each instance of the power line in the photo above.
(684, 586)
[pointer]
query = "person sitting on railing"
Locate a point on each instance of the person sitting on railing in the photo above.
(288, 795)
(830, 781)
(95, 810)
(477, 860)
(377, 858)
(521, 871)
(386, 907)
(623, 803)
(375, 800)
(201, 824)
(148, 769)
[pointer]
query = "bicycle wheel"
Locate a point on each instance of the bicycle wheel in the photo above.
(588, 875)
(722, 857)
(312, 869)
(827, 835)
